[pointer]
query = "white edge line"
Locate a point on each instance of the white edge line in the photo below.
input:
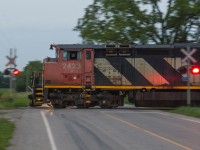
(191, 120)
(165, 114)
(186, 119)
(162, 113)
(49, 133)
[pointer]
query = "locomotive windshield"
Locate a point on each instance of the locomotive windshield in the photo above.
(71, 55)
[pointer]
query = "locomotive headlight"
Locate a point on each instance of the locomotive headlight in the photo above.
(75, 77)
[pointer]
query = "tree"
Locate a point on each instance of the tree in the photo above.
(117, 21)
(4, 82)
(24, 78)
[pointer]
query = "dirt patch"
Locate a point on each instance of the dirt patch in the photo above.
(13, 114)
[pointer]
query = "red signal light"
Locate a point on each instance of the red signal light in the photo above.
(195, 70)
(16, 72)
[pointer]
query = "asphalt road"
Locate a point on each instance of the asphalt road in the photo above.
(44, 128)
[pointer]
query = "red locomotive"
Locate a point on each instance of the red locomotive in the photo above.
(103, 75)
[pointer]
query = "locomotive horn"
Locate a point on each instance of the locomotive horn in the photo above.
(51, 47)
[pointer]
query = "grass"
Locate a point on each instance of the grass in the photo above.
(10, 99)
(184, 110)
(188, 111)
(6, 132)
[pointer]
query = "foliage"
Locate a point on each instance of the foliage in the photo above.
(6, 131)
(23, 79)
(140, 21)
(10, 99)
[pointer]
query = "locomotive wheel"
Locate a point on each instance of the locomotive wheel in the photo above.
(105, 104)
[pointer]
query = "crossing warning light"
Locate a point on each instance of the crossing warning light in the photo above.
(182, 70)
(6, 72)
(16, 72)
(195, 69)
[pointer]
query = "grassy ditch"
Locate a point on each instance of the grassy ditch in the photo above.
(10, 99)
(188, 111)
(6, 132)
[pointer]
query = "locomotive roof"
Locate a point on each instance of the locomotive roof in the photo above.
(134, 46)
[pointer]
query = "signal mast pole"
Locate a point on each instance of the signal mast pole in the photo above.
(188, 82)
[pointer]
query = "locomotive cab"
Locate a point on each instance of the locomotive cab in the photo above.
(67, 79)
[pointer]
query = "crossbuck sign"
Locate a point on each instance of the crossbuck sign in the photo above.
(188, 55)
(11, 59)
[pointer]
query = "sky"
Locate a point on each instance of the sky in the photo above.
(30, 26)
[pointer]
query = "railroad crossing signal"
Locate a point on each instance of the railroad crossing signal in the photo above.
(188, 55)
(188, 59)
(11, 71)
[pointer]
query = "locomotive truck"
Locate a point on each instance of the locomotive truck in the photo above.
(104, 75)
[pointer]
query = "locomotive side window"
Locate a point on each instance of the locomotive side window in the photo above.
(64, 55)
(78, 55)
(88, 55)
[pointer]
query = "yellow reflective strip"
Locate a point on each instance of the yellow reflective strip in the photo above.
(129, 87)
(63, 87)
(185, 87)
